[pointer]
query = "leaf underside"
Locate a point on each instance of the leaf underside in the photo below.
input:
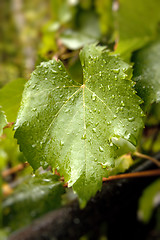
(70, 126)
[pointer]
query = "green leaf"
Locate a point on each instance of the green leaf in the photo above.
(136, 24)
(70, 126)
(3, 121)
(149, 200)
(147, 72)
(126, 47)
(35, 197)
(10, 97)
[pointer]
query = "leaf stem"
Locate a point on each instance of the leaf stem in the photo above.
(148, 173)
(155, 161)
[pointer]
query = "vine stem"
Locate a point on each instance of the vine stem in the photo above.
(155, 161)
(148, 173)
(15, 169)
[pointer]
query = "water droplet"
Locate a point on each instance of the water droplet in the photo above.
(33, 145)
(84, 136)
(94, 130)
(53, 71)
(113, 96)
(33, 86)
(116, 70)
(101, 149)
(131, 119)
(123, 76)
(94, 97)
(60, 67)
(116, 77)
(109, 88)
(122, 103)
(61, 143)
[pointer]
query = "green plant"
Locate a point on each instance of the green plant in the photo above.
(82, 117)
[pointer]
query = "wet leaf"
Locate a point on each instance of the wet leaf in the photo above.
(70, 126)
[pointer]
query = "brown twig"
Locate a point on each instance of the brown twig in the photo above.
(15, 169)
(149, 173)
(143, 156)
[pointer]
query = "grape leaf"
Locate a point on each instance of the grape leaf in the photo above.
(70, 126)
(10, 97)
(33, 198)
(149, 200)
(137, 24)
(3, 121)
(147, 72)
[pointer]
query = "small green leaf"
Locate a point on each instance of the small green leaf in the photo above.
(149, 200)
(147, 72)
(70, 126)
(35, 197)
(3, 121)
(10, 97)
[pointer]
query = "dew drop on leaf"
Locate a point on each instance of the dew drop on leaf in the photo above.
(84, 136)
(122, 103)
(94, 130)
(131, 119)
(61, 143)
(94, 97)
(101, 149)
(116, 70)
